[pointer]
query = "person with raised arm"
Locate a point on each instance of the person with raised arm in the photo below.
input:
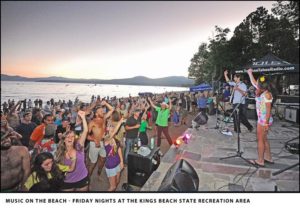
(114, 157)
(263, 100)
(162, 120)
(239, 99)
(143, 127)
(96, 130)
(70, 149)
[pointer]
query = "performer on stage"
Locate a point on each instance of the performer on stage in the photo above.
(264, 119)
(238, 98)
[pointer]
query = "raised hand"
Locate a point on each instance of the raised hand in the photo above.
(250, 71)
(81, 114)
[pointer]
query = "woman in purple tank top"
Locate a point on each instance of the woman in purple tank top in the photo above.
(70, 149)
(114, 158)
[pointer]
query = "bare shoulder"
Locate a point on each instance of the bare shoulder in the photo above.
(22, 150)
(19, 148)
(268, 95)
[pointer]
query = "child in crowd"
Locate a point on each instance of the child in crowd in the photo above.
(176, 116)
(143, 130)
(202, 103)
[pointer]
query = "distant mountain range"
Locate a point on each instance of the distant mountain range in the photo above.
(179, 81)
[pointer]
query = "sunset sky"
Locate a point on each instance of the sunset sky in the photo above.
(107, 40)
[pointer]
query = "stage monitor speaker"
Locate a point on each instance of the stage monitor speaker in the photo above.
(201, 118)
(141, 167)
(181, 177)
(291, 114)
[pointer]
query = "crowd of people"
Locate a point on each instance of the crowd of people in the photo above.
(58, 145)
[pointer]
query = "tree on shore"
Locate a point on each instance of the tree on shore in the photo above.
(258, 34)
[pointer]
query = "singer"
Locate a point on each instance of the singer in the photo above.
(238, 98)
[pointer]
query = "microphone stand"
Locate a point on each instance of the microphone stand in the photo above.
(237, 123)
(217, 100)
(234, 109)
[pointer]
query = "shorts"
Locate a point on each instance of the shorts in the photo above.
(110, 172)
(262, 121)
(94, 151)
(76, 185)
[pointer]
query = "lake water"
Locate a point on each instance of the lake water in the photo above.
(45, 90)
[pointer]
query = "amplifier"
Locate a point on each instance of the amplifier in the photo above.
(291, 114)
(141, 167)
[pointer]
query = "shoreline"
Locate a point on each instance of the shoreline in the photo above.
(95, 83)
(84, 92)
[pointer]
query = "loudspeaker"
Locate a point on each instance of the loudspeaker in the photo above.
(181, 177)
(201, 118)
(141, 167)
(291, 114)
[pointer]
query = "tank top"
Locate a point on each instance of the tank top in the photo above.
(261, 109)
(112, 158)
(80, 171)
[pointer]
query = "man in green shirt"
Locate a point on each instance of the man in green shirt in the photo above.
(162, 120)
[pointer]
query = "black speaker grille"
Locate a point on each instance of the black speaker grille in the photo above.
(181, 177)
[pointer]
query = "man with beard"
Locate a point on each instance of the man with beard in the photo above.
(5, 127)
(97, 128)
(15, 164)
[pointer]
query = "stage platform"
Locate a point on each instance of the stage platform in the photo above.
(207, 146)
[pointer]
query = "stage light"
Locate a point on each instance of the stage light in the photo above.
(177, 142)
(186, 137)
